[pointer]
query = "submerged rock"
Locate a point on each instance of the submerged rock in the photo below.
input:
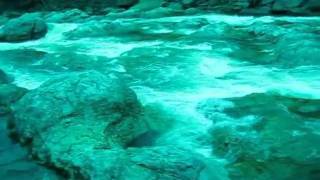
(265, 135)
(23, 28)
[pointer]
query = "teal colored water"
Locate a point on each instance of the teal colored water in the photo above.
(242, 92)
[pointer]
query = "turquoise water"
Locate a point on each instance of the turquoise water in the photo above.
(242, 92)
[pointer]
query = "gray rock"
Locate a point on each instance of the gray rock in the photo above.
(23, 28)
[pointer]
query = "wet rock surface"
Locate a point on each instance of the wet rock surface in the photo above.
(263, 134)
(81, 98)
(22, 29)
(15, 161)
(88, 124)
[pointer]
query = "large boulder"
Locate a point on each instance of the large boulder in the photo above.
(80, 103)
(91, 126)
(23, 28)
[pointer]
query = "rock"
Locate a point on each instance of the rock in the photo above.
(89, 6)
(19, 4)
(91, 126)
(71, 61)
(297, 51)
(167, 163)
(255, 7)
(23, 58)
(258, 133)
(148, 4)
(14, 160)
(4, 78)
(23, 28)
(126, 3)
(280, 43)
(92, 7)
(80, 101)
(313, 5)
(73, 15)
(283, 5)
(9, 94)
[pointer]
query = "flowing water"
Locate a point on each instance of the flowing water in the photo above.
(179, 63)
